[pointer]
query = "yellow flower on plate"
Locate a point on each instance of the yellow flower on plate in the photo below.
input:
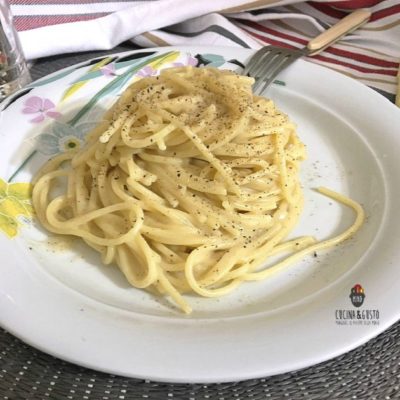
(15, 201)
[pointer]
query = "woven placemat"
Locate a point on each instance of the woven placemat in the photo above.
(371, 372)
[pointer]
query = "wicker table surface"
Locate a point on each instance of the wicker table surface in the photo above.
(369, 372)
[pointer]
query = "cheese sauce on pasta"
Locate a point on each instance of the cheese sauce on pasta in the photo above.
(189, 185)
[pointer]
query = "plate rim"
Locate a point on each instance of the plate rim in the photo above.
(249, 375)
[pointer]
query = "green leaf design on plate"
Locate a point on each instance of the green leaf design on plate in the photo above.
(96, 74)
(54, 78)
(68, 71)
(213, 57)
(118, 82)
(213, 60)
(210, 60)
(80, 83)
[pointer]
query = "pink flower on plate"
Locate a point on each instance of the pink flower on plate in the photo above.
(147, 71)
(108, 70)
(41, 106)
(191, 61)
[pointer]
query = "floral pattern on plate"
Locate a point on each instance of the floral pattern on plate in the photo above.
(15, 202)
(112, 75)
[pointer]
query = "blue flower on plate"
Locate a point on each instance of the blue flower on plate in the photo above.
(63, 137)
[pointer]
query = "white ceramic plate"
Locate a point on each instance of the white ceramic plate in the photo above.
(58, 297)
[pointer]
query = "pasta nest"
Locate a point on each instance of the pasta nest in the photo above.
(188, 184)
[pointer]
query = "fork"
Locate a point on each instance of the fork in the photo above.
(269, 61)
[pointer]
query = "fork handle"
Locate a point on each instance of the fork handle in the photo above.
(335, 32)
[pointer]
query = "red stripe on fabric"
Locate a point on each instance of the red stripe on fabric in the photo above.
(355, 67)
(325, 58)
(332, 12)
(263, 28)
(273, 42)
(362, 58)
(325, 9)
(23, 23)
(385, 12)
(353, 4)
(339, 52)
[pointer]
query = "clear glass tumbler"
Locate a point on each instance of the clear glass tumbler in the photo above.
(14, 72)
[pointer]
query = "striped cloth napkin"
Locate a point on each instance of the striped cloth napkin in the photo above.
(371, 54)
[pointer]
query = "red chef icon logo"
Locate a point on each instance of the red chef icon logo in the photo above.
(357, 295)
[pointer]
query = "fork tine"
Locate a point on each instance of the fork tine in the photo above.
(267, 63)
(255, 67)
(269, 68)
(257, 70)
(254, 59)
(273, 72)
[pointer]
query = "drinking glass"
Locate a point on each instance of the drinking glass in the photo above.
(14, 72)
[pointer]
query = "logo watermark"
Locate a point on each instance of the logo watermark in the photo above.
(357, 315)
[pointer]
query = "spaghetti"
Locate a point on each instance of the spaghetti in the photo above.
(189, 185)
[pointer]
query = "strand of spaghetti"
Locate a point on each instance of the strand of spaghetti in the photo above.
(108, 256)
(265, 243)
(149, 140)
(195, 285)
(293, 245)
(281, 162)
(231, 258)
(124, 256)
(174, 293)
(174, 215)
(320, 245)
(52, 165)
(115, 125)
(221, 167)
(237, 127)
(68, 227)
(56, 204)
(40, 194)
